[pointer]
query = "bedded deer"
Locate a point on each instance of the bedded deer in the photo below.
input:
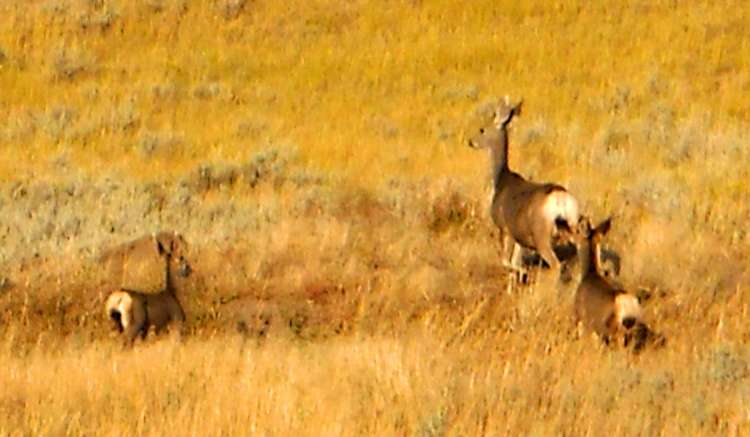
(134, 312)
(601, 306)
(528, 214)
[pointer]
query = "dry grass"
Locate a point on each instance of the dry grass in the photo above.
(347, 279)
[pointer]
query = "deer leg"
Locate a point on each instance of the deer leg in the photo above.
(178, 319)
(138, 322)
(513, 262)
(509, 243)
(544, 247)
(543, 233)
(548, 255)
(515, 256)
(516, 263)
(132, 333)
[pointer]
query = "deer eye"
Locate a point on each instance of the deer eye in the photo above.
(481, 130)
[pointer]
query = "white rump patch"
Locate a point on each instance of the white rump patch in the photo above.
(560, 204)
(121, 302)
(627, 306)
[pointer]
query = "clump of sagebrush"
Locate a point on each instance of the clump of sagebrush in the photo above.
(158, 143)
(98, 15)
(536, 132)
(231, 9)
(168, 90)
(123, 118)
(271, 165)
(210, 90)
(727, 364)
(69, 64)
(450, 208)
(461, 92)
(56, 121)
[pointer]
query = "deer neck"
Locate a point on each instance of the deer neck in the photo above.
(168, 272)
(588, 254)
(499, 158)
(596, 257)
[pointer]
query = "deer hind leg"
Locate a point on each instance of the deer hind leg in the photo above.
(548, 255)
(543, 241)
(138, 322)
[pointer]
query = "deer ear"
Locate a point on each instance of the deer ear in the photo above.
(584, 226)
(503, 105)
(517, 108)
(604, 226)
(611, 321)
(160, 247)
(498, 108)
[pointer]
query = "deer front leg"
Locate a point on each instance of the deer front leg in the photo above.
(514, 261)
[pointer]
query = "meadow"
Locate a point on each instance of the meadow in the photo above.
(348, 279)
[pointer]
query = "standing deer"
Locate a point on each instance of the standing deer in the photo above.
(527, 213)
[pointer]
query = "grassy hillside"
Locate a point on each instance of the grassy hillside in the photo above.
(347, 277)
(165, 86)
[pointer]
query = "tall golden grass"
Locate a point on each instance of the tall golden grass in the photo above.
(533, 379)
(348, 279)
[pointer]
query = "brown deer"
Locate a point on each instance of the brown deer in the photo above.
(601, 306)
(527, 213)
(134, 312)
